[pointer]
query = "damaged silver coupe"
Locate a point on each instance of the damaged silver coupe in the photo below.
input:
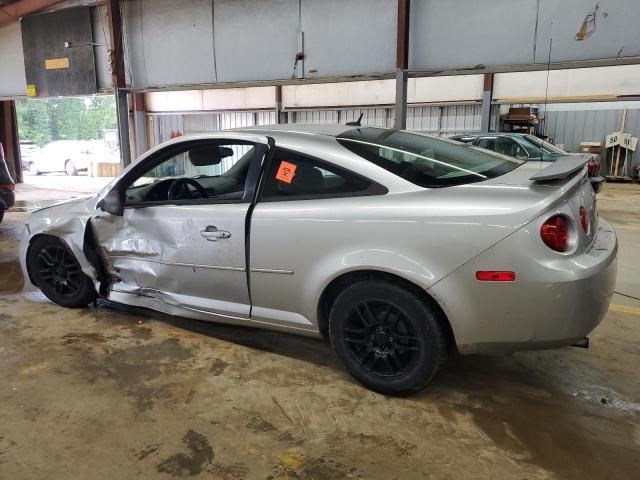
(398, 246)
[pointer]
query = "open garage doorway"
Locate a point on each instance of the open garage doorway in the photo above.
(68, 144)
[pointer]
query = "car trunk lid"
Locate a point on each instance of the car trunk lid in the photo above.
(565, 180)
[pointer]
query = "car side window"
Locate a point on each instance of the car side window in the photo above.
(194, 173)
(487, 143)
(293, 176)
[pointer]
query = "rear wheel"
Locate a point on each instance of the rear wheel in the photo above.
(70, 168)
(56, 271)
(388, 338)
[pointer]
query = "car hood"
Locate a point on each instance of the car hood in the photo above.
(67, 218)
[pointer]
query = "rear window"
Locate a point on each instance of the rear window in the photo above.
(425, 161)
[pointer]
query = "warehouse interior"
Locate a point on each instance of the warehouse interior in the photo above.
(118, 391)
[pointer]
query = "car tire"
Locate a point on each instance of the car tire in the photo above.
(70, 168)
(57, 272)
(388, 338)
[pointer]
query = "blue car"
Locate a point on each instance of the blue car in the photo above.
(529, 148)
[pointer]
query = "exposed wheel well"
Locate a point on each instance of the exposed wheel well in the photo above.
(338, 284)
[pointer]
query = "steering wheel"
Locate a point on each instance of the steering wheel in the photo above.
(181, 182)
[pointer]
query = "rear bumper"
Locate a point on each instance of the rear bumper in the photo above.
(596, 183)
(554, 301)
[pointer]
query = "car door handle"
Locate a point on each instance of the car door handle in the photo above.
(212, 233)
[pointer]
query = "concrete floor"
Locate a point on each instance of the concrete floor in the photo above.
(105, 393)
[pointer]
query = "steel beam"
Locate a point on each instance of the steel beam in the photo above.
(13, 12)
(119, 83)
(487, 97)
(140, 123)
(9, 138)
(402, 63)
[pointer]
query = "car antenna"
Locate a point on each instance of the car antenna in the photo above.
(357, 122)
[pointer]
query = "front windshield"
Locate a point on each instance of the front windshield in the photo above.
(546, 146)
(429, 162)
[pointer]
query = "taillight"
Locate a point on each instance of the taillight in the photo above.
(555, 233)
(592, 167)
(9, 187)
(584, 219)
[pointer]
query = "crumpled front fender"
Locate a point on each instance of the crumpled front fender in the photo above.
(66, 221)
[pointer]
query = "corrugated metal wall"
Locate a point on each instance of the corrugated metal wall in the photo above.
(167, 125)
(441, 120)
(568, 128)
(573, 127)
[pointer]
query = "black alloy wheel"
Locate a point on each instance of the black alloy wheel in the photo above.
(57, 272)
(60, 270)
(381, 339)
(388, 337)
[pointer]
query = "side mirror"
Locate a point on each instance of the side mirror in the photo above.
(111, 203)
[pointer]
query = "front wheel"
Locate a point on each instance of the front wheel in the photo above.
(56, 271)
(70, 168)
(387, 337)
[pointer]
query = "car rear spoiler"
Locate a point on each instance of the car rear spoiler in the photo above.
(564, 167)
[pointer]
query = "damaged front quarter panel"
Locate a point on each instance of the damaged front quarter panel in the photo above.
(68, 222)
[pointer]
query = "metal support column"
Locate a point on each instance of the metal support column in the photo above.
(281, 117)
(487, 97)
(402, 63)
(402, 80)
(9, 138)
(119, 83)
(140, 123)
(122, 107)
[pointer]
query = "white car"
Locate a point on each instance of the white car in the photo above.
(399, 247)
(69, 156)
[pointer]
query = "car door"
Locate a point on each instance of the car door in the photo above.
(181, 237)
(295, 223)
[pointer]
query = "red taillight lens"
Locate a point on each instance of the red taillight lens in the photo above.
(584, 219)
(555, 233)
(9, 187)
(495, 276)
(593, 167)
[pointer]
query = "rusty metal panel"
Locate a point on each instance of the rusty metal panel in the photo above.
(58, 53)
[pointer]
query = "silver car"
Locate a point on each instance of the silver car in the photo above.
(399, 247)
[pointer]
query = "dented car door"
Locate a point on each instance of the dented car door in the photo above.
(180, 240)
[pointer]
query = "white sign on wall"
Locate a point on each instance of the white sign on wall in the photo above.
(629, 142)
(613, 139)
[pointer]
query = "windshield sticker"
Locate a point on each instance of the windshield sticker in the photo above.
(286, 171)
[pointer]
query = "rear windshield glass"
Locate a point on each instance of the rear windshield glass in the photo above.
(426, 161)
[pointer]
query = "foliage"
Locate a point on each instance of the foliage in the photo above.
(43, 121)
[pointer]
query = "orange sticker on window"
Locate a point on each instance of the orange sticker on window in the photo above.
(286, 171)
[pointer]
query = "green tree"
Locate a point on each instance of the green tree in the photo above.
(45, 120)
(34, 121)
